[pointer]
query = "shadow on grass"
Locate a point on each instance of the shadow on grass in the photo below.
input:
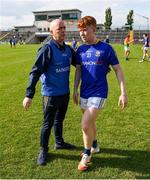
(130, 160)
(131, 59)
(127, 160)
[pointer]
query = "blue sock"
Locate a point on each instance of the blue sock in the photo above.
(87, 151)
(94, 145)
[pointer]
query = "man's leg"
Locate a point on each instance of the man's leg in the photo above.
(59, 118)
(58, 123)
(49, 115)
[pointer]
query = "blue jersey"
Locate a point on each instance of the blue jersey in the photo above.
(146, 42)
(95, 60)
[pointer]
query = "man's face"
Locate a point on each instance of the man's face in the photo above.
(87, 33)
(59, 31)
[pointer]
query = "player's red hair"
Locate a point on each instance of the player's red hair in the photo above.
(86, 21)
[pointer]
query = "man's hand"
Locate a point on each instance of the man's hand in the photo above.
(75, 97)
(27, 103)
(123, 101)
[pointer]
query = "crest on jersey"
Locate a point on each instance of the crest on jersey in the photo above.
(97, 54)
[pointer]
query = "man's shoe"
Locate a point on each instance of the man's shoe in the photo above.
(64, 145)
(84, 163)
(95, 150)
(42, 157)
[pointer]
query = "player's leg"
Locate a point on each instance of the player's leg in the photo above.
(99, 104)
(143, 57)
(146, 54)
(127, 53)
(91, 110)
(88, 120)
(87, 124)
(95, 147)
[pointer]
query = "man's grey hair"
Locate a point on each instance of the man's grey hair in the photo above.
(54, 22)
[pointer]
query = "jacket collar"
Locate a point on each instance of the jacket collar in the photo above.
(59, 46)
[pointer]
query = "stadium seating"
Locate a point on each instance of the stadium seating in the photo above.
(115, 36)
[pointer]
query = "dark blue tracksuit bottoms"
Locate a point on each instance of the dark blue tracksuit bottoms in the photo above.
(54, 108)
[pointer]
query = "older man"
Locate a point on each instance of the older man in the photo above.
(52, 66)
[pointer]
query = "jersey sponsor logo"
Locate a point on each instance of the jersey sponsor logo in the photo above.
(60, 70)
(88, 63)
(92, 63)
(99, 62)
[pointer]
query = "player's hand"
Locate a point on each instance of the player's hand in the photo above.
(27, 103)
(123, 101)
(75, 97)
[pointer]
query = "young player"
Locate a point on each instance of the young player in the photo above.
(126, 46)
(93, 61)
(145, 47)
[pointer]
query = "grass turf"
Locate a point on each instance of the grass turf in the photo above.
(124, 136)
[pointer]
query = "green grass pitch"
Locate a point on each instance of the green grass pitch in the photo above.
(124, 135)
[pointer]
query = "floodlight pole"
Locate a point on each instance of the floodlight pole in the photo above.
(147, 18)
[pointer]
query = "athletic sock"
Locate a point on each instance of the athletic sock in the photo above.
(87, 151)
(94, 145)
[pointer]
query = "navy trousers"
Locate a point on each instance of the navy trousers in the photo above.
(54, 108)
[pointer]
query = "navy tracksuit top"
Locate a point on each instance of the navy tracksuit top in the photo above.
(52, 66)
